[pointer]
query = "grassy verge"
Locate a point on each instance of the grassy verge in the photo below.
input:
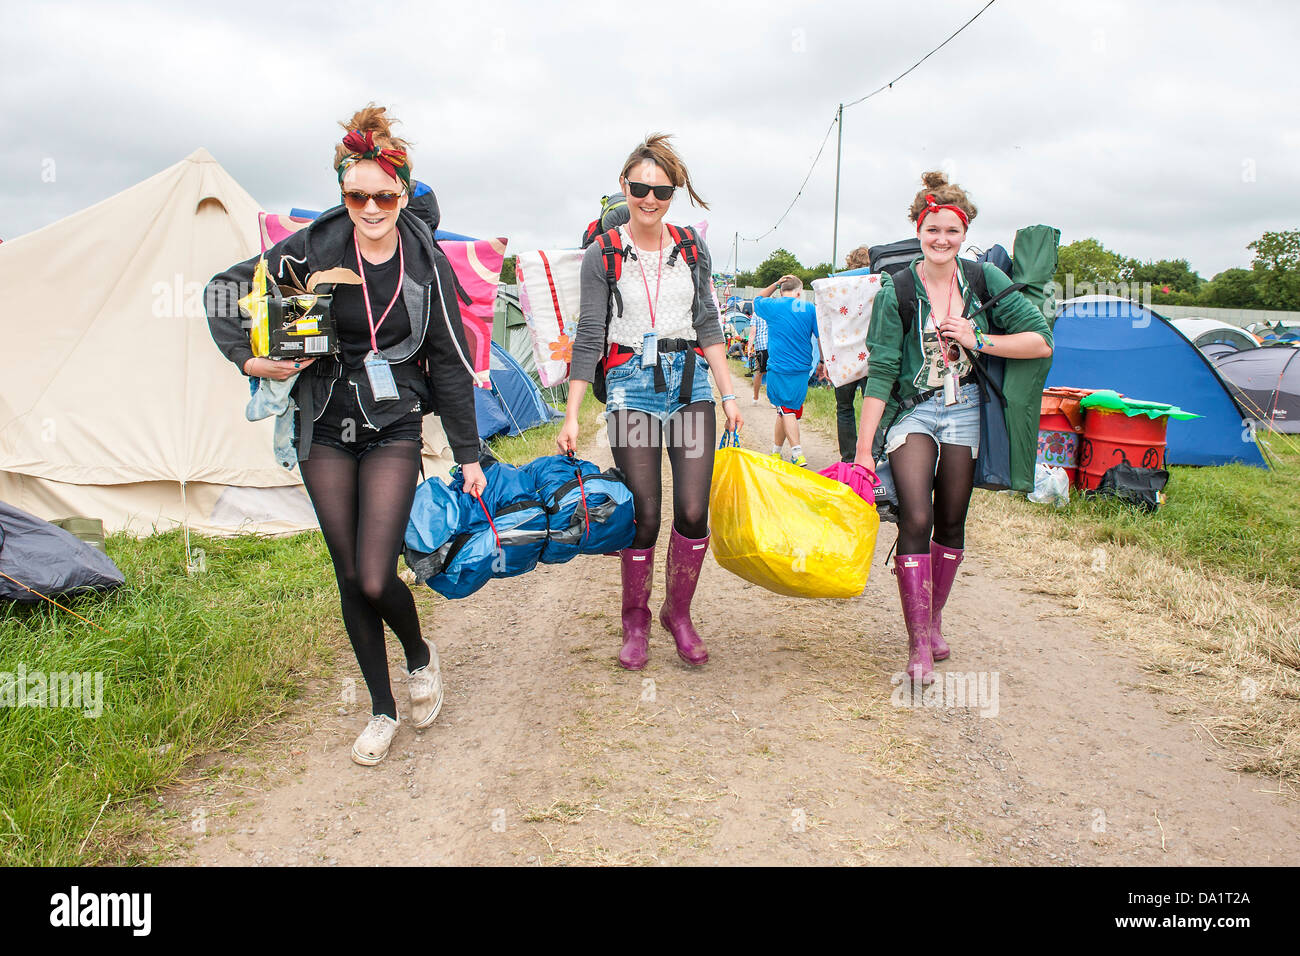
(189, 665)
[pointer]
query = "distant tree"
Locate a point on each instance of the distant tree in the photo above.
(744, 279)
(1277, 269)
(1174, 274)
(780, 262)
(1088, 261)
(508, 271)
(1231, 289)
(819, 271)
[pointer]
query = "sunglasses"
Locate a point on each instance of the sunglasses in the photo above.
(386, 201)
(639, 191)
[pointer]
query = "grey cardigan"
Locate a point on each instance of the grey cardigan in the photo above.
(597, 301)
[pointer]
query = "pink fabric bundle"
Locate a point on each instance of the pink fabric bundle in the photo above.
(857, 477)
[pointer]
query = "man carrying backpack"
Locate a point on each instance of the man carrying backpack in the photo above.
(791, 328)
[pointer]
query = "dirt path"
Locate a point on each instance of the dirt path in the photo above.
(789, 747)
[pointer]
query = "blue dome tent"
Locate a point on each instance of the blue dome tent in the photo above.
(514, 403)
(1108, 342)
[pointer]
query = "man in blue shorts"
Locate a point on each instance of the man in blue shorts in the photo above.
(791, 328)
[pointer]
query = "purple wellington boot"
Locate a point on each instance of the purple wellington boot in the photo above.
(685, 557)
(914, 590)
(943, 568)
(638, 566)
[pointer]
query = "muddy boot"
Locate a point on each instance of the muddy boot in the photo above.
(685, 557)
(638, 566)
(943, 569)
(914, 589)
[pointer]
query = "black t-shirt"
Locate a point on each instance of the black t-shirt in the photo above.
(350, 309)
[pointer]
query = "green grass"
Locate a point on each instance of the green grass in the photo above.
(190, 664)
(540, 441)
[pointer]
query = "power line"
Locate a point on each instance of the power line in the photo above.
(820, 149)
(840, 111)
(922, 60)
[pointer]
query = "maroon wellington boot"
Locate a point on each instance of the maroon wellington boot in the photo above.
(685, 557)
(914, 590)
(638, 566)
(943, 568)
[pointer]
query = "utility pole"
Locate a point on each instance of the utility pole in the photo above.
(735, 254)
(839, 143)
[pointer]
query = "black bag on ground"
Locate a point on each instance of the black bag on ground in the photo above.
(1135, 486)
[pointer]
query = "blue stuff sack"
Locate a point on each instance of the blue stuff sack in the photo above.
(469, 556)
(590, 510)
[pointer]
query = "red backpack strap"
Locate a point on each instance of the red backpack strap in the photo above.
(687, 242)
(613, 252)
(684, 241)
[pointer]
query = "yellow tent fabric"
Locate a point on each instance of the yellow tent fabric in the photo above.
(114, 401)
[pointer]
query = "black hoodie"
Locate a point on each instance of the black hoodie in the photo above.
(436, 340)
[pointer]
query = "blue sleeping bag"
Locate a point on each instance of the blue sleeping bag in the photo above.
(590, 510)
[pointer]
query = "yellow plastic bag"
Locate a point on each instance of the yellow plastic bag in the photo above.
(254, 306)
(788, 529)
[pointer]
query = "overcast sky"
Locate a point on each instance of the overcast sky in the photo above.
(1164, 129)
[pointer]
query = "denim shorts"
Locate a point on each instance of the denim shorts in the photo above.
(632, 387)
(947, 424)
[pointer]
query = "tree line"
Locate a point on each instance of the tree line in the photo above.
(1271, 282)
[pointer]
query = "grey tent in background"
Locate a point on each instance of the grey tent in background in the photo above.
(1266, 383)
(47, 559)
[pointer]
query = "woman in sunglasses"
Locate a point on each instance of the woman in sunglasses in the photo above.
(402, 354)
(650, 326)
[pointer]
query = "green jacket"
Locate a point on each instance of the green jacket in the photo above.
(895, 361)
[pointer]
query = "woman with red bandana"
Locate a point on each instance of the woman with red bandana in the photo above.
(402, 354)
(926, 332)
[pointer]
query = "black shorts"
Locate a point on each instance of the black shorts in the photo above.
(760, 360)
(343, 425)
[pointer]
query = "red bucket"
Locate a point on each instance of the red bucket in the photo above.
(1111, 437)
(1060, 421)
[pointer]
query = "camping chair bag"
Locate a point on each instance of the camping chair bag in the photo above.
(843, 317)
(550, 297)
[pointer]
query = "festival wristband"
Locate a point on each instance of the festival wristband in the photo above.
(728, 398)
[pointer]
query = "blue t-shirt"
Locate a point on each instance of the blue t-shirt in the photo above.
(791, 327)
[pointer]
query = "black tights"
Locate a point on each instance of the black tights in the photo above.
(637, 439)
(363, 507)
(932, 501)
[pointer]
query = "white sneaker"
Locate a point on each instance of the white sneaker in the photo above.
(372, 746)
(424, 684)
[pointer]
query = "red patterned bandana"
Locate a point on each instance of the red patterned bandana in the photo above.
(362, 146)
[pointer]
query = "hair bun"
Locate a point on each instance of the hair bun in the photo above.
(372, 118)
(935, 179)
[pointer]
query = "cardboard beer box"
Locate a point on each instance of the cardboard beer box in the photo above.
(301, 326)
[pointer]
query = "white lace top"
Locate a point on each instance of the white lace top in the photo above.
(673, 317)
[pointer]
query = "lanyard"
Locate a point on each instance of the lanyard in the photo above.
(952, 291)
(365, 292)
(652, 306)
